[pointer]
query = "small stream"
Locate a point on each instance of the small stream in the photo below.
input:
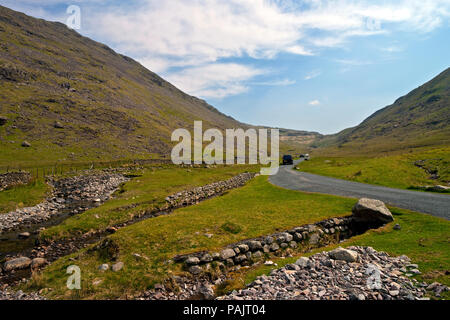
(12, 245)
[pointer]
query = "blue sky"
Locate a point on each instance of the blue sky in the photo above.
(317, 65)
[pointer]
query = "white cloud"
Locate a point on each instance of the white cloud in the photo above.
(216, 80)
(299, 50)
(282, 82)
(314, 103)
(195, 34)
(350, 62)
(392, 49)
(313, 74)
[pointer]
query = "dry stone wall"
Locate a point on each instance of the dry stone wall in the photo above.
(195, 195)
(250, 251)
(10, 179)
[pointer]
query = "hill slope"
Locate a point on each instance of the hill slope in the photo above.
(75, 99)
(421, 118)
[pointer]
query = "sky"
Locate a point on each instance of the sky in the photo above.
(316, 65)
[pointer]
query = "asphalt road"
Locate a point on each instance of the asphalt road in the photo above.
(432, 203)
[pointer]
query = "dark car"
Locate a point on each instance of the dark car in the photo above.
(287, 159)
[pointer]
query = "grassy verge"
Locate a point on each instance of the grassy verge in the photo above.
(146, 192)
(23, 196)
(397, 171)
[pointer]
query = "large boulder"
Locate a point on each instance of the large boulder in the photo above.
(3, 120)
(371, 210)
(58, 125)
(344, 255)
(16, 264)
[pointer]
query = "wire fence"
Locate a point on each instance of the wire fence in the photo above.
(59, 169)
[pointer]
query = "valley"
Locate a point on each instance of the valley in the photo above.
(87, 181)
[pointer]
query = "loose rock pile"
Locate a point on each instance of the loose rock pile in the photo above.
(19, 295)
(182, 288)
(195, 195)
(11, 179)
(338, 275)
(90, 189)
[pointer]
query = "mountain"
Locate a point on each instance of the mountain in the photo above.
(75, 99)
(421, 118)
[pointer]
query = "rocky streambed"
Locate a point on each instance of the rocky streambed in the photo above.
(75, 194)
(19, 229)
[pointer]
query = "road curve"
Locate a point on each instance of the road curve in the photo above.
(432, 203)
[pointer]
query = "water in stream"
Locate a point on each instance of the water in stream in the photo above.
(11, 245)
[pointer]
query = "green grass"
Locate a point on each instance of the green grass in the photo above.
(257, 209)
(397, 171)
(146, 192)
(23, 196)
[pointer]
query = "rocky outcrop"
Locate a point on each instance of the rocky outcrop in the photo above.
(11, 179)
(375, 276)
(370, 210)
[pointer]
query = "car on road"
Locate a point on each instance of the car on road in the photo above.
(287, 159)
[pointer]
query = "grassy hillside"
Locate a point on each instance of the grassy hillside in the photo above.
(72, 98)
(421, 118)
(387, 147)
(76, 100)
